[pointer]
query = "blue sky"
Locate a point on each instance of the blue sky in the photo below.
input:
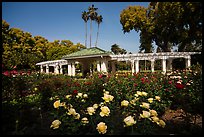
(62, 21)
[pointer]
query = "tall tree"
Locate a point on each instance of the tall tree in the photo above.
(168, 24)
(92, 15)
(98, 20)
(85, 17)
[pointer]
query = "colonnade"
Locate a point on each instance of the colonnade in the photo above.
(103, 61)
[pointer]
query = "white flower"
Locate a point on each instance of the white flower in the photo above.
(85, 96)
(79, 95)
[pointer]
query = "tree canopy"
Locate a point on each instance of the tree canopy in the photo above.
(117, 50)
(168, 24)
(22, 50)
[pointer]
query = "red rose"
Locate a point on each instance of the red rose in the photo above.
(179, 86)
(100, 75)
(75, 91)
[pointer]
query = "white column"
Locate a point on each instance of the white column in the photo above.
(188, 62)
(113, 67)
(73, 68)
(60, 69)
(133, 66)
(98, 66)
(41, 68)
(170, 64)
(152, 65)
(104, 66)
(164, 65)
(56, 69)
(47, 68)
(69, 69)
(137, 66)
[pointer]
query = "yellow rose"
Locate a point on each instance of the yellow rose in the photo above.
(157, 98)
(71, 111)
(55, 124)
(68, 96)
(145, 114)
(162, 123)
(56, 104)
(104, 111)
(150, 100)
(155, 119)
(129, 121)
(111, 97)
(102, 128)
(124, 103)
(153, 112)
(107, 97)
(144, 93)
(139, 93)
(62, 104)
(76, 116)
(84, 121)
(35, 89)
(91, 110)
(145, 105)
(95, 106)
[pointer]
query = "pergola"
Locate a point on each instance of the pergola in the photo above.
(105, 59)
(57, 64)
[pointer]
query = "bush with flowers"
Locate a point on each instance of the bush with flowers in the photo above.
(109, 104)
(105, 109)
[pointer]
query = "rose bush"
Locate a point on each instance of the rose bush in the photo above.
(103, 104)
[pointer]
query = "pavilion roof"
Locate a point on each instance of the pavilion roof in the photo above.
(89, 52)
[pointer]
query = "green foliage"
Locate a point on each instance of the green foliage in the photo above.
(167, 24)
(22, 50)
(44, 90)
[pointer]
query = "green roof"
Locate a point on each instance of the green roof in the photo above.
(87, 53)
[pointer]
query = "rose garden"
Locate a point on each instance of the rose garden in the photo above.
(62, 88)
(112, 104)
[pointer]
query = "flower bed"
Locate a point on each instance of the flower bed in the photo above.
(111, 105)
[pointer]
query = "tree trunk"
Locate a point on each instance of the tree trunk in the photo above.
(90, 32)
(86, 35)
(97, 36)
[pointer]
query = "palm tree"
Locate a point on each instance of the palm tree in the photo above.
(92, 15)
(85, 17)
(98, 20)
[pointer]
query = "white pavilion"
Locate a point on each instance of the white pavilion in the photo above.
(105, 60)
